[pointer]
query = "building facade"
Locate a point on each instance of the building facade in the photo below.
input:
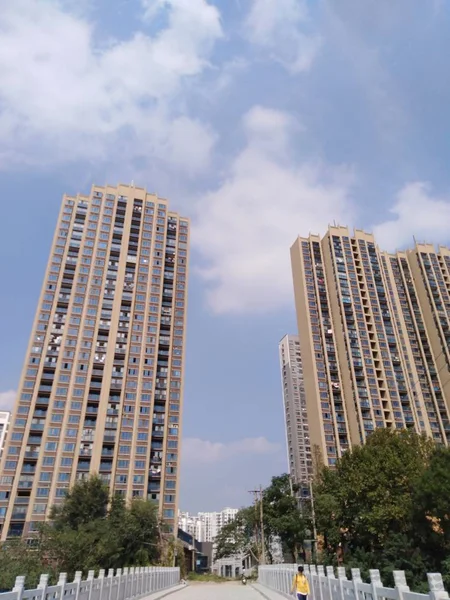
(295, 412)
(191, 524)
(4, 424)
(102, 385)
(374, 338)
(206, 525)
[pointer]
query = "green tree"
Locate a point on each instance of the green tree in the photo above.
(238, 535)
(86, 534)
(282, 517)
(431, 499)
(87, 501)
(16, 559)
(368, 497)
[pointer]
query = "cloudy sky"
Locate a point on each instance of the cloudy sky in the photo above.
(259, 119)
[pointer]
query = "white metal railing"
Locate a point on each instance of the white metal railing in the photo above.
(134, 582)
(326, 586)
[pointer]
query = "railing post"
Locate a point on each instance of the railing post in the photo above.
(77, 581)
(313, 571)
(19, 586)
(437, 590)
(110, 582)
(400, 583)
(119, 583)
(356, 578)
(320, 576)
(375, 581)
(101, 578)
(331, 580)
(342, 576)
(42, 585)
(90, 578)
(132, 578)
(62, 585)
(125, 583)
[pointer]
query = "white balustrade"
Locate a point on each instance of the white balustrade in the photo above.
(325, 585)
(126, 584)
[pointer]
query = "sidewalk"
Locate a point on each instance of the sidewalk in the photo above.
(165, 593)
(269, 594)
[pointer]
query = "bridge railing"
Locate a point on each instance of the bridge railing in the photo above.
(324, 585)
(125, 584)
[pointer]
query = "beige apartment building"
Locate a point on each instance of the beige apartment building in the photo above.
(374, 332)
(295, 413)
(102, 385)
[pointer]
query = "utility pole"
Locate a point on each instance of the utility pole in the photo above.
(313, 515)
(262, 525)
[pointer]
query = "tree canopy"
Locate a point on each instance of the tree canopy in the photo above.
(386, 505)
(282, 519)
(89, 530)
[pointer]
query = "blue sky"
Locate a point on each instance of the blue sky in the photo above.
(259, 119)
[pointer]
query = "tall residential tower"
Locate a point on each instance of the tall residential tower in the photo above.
(295, 414)
(375, 338)
(102, 385)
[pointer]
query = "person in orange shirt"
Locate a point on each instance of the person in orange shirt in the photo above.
(300, 585)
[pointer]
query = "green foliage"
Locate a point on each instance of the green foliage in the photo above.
(206, 577)
(386, 505)
(282, 519)
(16, 559)
(86, 534)
(237, 535)
(87, 501)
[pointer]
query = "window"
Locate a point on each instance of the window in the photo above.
(48, 461)
(169, 513)
(42, 492)
(66, 462)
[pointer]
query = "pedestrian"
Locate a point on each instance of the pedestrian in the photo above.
(300, 585)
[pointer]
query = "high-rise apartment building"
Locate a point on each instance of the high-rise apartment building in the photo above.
(4, 423)
(374, 338)
(206, 525)
(102, 385)
(295, 413)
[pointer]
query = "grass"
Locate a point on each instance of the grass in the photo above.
(206, 577)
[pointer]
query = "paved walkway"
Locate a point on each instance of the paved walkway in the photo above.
(219, 591)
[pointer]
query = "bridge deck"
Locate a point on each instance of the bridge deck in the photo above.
(219, 591)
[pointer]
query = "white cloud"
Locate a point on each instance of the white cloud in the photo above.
(197, 451)
(67, 94)
(244, 228)
(280, 26)
(7, 400)
(417, 212)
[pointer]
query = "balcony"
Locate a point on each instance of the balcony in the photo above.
(25, 485)
(85, 452)
(33, 455)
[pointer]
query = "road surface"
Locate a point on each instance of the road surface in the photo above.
(218, 591)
